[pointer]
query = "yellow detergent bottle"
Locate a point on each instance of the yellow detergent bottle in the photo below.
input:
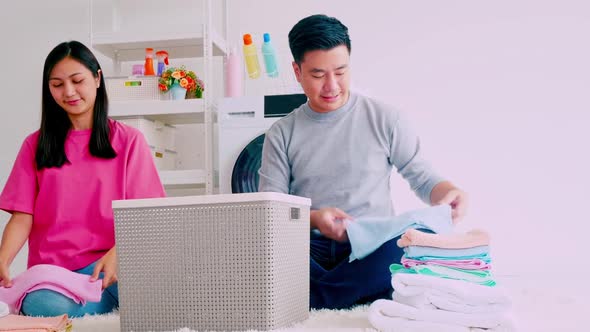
(251, 57)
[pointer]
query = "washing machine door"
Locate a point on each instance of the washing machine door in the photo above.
(244, 177)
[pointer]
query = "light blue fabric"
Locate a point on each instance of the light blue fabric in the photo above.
(344, 158)
(415, 252)
(368, 234)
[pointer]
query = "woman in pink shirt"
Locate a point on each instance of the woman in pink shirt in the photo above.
(64, 179)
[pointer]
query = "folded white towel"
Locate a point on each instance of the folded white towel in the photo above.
(447, 293)
(388, 315)
(433, 301)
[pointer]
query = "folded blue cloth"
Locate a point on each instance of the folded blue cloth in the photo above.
(418, 252)
(368, 234)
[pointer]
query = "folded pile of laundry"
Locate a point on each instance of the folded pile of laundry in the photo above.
(444, 282)
(18, 323)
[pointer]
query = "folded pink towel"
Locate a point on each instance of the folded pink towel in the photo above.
(76, 286)
(470, 239)
(16, 323)
(467, 264)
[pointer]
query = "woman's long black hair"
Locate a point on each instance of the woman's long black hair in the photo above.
(55, 122)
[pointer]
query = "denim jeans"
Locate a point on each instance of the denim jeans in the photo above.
(47, 303)
(337, 284)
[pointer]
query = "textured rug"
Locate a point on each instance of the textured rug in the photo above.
(320, 320)
(548, 305)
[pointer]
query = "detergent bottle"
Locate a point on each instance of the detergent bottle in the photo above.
(251, 57)
(270, 57)
(162, 61)
(149, 62)
(233, 74)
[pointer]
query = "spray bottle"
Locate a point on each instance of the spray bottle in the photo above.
(162, 61)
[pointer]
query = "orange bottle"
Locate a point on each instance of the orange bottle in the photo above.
(149, 62)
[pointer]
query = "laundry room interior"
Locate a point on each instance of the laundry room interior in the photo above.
(497, 92)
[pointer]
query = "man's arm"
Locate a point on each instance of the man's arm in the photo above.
(275, 172)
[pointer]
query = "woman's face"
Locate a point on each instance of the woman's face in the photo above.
(73, 87)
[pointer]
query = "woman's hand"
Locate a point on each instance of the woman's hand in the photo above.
(331, 222)
(108, 265)
(5, 280)
(14, 237)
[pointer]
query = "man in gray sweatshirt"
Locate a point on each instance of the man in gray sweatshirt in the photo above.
(339, 149)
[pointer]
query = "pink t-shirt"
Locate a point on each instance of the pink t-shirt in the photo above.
(73, 222)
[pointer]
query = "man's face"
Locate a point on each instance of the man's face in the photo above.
(324, 76)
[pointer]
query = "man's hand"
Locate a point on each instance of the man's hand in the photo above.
(331, 222)
(457, 199)
(108, 265)
(446, 193)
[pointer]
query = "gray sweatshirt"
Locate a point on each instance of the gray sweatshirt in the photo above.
(344, 158)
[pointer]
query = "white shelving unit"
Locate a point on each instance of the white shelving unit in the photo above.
(203, 41)
(172, 112)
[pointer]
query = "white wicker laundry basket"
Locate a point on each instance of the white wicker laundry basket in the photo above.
(217, 262)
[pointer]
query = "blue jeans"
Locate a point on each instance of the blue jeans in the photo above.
(337, 284)
(47, 303)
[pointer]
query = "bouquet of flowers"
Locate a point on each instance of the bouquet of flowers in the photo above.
(183, 77)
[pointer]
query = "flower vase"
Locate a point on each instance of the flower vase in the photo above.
(177, 92)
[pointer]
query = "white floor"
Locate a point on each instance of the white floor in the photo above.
(554, 305)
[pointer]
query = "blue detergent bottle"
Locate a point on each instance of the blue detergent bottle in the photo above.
(270, 57)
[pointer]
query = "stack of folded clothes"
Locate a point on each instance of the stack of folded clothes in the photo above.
(444, 282)
(18, 323)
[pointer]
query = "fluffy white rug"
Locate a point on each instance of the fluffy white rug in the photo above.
(548, 305)
(319, 320)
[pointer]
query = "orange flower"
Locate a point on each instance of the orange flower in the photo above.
(178, 74)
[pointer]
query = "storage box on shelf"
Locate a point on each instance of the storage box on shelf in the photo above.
(156, 133)
(160, 137)
(132, 97)
(127, 88)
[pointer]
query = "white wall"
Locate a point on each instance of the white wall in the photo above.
(495, 89)
(29, 29)
(498, 91)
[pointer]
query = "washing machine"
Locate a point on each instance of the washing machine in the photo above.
(241, 125)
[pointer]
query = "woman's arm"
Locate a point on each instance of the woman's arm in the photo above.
(15, 235)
